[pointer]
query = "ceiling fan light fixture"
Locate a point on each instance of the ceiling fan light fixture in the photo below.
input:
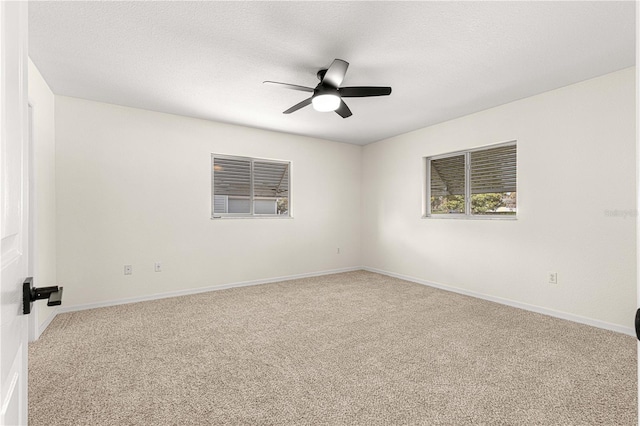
(326, 102)
(327, 96)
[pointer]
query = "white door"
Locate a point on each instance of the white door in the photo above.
(14, 184)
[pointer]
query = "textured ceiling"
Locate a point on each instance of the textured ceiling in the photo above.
(209, 59)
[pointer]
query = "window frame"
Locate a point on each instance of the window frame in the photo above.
(426, 193)
(252, 197)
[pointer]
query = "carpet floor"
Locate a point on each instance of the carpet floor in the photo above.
(355, 348)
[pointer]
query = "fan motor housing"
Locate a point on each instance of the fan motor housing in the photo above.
(321, 74)
(325, 90)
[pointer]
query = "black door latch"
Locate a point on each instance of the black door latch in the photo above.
(30, 293)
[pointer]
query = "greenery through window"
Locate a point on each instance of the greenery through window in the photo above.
(480, 182)
(243, 186)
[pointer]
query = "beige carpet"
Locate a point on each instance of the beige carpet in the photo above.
(356, 348)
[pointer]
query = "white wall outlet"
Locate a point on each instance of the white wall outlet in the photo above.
(157, 267)
(338, 252)
(553, 278)
(128, 270)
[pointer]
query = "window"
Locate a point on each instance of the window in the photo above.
(249, 187)
(475, 183)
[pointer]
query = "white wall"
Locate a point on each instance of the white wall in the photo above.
(576, 161)
(134, 187)
(42, 101)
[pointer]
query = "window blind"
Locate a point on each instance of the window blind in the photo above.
(270, 179)
(493, 170)
(232, 177)
(243, 186)
(447, 176)
(477, 182)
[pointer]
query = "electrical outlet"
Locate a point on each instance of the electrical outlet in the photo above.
(553, 278)
(157, 267)
(128, 270)
(338, 252)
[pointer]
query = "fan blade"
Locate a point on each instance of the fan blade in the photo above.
(343, 110)
(290, 86)
(361, 92)
(335, 73)
(298, 106)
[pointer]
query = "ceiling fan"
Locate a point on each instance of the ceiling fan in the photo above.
(327, 95)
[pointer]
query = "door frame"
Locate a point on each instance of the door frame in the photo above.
(34, 332)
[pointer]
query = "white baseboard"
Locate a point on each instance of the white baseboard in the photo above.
(558, 314)
(156, 296)
(46, 323)
(533, 308)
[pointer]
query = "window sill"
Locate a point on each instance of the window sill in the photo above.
(251, 217)
(463, 217)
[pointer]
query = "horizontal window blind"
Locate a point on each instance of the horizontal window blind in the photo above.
(220, 204)
(493, 170)
(473, 183)
(447, 176)
(232, 177)
(243, 186)
(270, 179)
